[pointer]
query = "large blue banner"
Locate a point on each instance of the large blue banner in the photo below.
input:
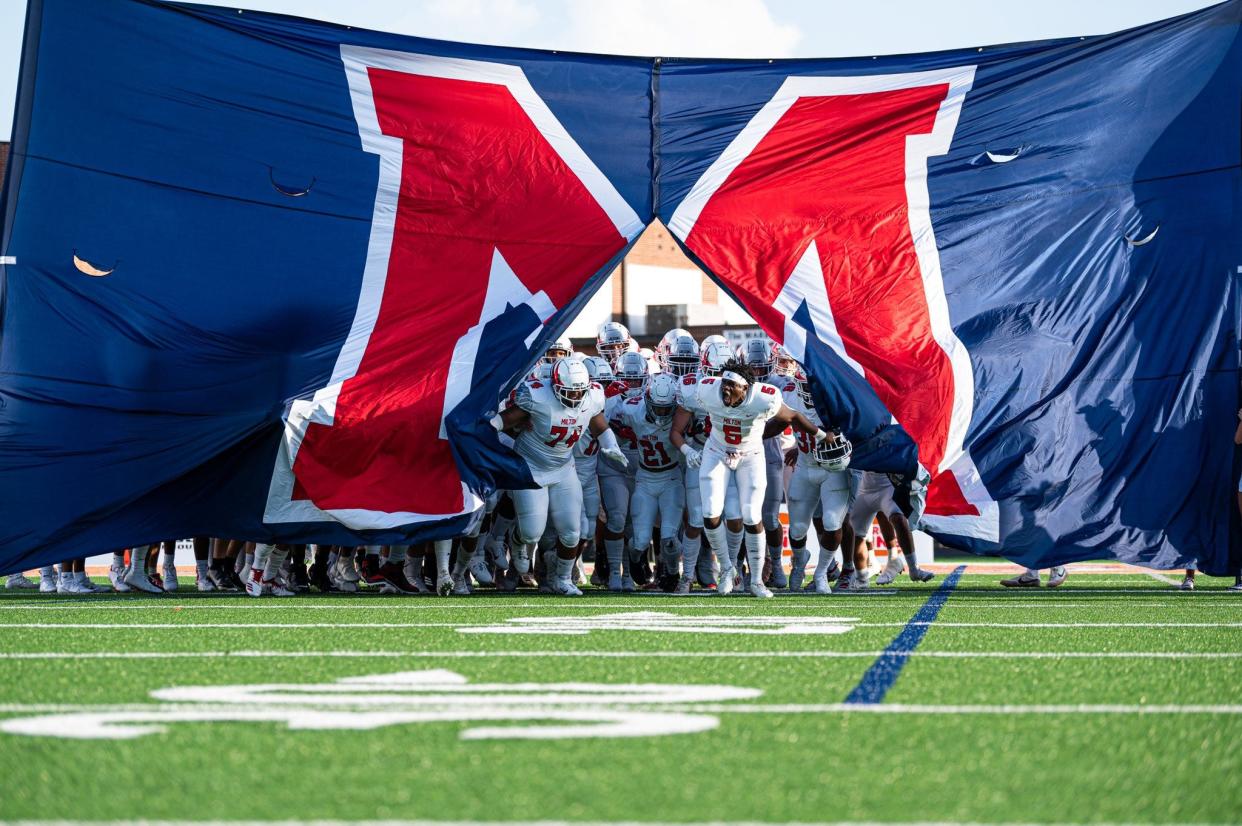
(266, 277)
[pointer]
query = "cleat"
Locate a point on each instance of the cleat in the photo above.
(917, 574)
(19, 581)
(725, 585)
(66, 584)
(527, 580)
(370, 570)
(414, 574)
(47, 585)
(506, 582)
(844, 577)
(1237, 586)
(683, 587)
(461, 587)
(1188, 584)
(243, 575)
(254, 584)
(93, 587)
(1057, 576)
(444, 584)
(627, 583)
(395, 577)
(138, 581)
(706, 571)
(896, 567)
(1027, 579)
(563, 586)
(203, 583)
(170, 579)
(116, 575)
(298, 579)
(478, 569)
(778, 578)
(758, 589)
(820, 584)
(321, 579)
(345, 569)
(156, 580)
(521, 558)
(615, 582)
(221, 580)
(797, 572)
(277, 588)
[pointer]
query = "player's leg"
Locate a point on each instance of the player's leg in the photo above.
(136, 575)
(531, 506)
(672, 504)
(834, 505)
(170, 583)
(905, 538)
(565, 492)
(714, 480)
(615, 493)
(644, 508)
(751, 476)
(803, 496)
(773, 496)
(695, 563)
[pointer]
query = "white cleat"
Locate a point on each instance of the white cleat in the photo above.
(896, 567)
(255, 586)
(116, 575)
(461, 586)
(1057, 576)
(346, 571)
(683, 587)
(202, 583)
(137, 580)
(19, 581)
(797, 573)
(521, 558)
(478, 569)
(170, 579)
(47, 585)
(627, 583)
(67, 584)
(1188, 584)
(444, 583)
(91, 586)
(917, 574)
(278, 588)
(413, 570)
(724, 582)
(615, 582)
(862, 581)
(1026, 579)
(820, 584)
(564, 586)
(758, 589)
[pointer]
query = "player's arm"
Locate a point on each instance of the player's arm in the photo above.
(788, 417)
(607, 439)
(511, 420)
(677, 435)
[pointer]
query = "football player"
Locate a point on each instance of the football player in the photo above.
(586, 458)
(612, 340)
(682, 356)
(547, 421)
(658, 487)
(820, 479)
(616, 484)
(874, 494)
(692, 425)
(760, 356)
(741, 412)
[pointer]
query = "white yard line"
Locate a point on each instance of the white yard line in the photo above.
(1163, 578)
(201, 626)
(543, 823)
(724, 655)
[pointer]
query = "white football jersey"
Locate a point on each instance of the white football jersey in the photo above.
(656, 453)
(548, 443)
(586, 454)
(804, 441)
(776, 447)
(627, 440)
(738, 429)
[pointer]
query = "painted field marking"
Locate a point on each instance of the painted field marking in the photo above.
(651, 621)
(1162, 578)
(730, 655)
(879, 678)
(547, 823)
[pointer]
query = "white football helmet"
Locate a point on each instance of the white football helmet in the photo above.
(661, 395)
(613, 340)
(786, 365)
(757, 354)
(803, 383)
(600, 369)
(653, 363)
(713, 356)
(666, 343)
(632, 370)
(714, 339)
(559, 349)
(834, 452)
(570, 382)
(682, 357)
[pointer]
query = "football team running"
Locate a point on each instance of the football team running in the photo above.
(668, 469)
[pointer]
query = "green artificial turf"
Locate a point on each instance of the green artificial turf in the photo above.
(807, 761)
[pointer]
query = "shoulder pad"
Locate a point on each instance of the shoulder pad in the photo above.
(689, 379)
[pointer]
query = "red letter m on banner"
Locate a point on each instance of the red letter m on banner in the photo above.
(821, 200)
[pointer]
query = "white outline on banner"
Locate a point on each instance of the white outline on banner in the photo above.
(281, 507)
(919, 148)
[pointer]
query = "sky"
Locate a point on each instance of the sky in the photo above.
(693, 28)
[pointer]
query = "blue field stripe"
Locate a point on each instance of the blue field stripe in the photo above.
(886, 668)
